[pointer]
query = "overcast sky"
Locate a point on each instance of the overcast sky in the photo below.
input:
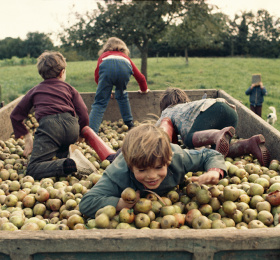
(18, 17)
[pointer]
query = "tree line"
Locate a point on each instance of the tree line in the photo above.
(158, 28)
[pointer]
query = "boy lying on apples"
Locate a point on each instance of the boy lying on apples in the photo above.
(150, 162)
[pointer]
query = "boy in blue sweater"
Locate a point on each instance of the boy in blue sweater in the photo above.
(149, 162)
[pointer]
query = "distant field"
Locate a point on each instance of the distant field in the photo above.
(230, 74)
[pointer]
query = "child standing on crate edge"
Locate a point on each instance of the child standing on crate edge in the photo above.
(256, 91)
(149, 161)
(56, 105)
(114, 68)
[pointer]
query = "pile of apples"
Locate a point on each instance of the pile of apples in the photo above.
(247, 198)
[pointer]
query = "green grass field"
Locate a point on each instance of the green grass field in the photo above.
(230, 74)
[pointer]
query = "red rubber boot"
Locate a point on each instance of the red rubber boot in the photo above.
(254, 145)
(92, 139)
(167, 126)
(220, 138)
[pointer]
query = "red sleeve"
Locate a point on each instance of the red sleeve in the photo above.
(96, 73)
(140, 78)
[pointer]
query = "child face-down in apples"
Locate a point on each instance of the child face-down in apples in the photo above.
(196, 122)
(207, 122)
(149, 162)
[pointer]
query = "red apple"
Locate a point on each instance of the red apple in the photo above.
(42, 195)
(126, 215)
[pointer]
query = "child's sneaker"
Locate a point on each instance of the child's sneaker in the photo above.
(84, 166)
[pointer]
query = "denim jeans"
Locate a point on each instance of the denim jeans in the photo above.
(52, 138)
(112, 72)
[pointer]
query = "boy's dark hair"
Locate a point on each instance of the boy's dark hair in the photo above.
(50, 64)
(173, 96)
(145, 146)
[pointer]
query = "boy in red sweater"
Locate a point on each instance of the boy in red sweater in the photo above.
(56, 105)
(114, 68)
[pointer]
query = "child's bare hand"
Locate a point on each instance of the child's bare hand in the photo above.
(143, 92)
(28, 146)
(211, 177)
(254, 85)
(123, 204)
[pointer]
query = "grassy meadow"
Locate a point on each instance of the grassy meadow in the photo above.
(230, 74)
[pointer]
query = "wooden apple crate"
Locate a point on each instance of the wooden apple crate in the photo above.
(149, 244)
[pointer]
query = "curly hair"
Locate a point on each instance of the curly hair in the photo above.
(50, 64)
(114, 44)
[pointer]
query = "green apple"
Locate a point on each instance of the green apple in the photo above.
(168, 221)
(255, 200)
(203, 196)
(206, 209)
(265, 217)
(215, 203)
(231, 193)
(242, 206)
(263, 205)
(229, 207)
(262, 181)
(256, 224)
(237, 216)
(241, 225)
(255, 189)
(228, 221)
(142, 220)
(201, 222)
(249, 215)
(217, 224)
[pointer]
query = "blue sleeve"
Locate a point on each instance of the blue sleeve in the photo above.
(264, 92)
(185, 160)
(103, 193)
(203, 160)
(248, 91)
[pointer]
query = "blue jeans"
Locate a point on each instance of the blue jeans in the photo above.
(112, 72)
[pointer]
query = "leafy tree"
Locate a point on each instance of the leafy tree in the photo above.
(135, 22)
(264, 38)
(81, 36)
(242, 44)
(10, 47)
(36, 43)
(198, 29)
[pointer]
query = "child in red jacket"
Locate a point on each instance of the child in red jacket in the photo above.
(114, 68)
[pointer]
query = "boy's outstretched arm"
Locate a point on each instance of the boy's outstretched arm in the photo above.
(104, 192)
(210, 177)
(208, 160)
